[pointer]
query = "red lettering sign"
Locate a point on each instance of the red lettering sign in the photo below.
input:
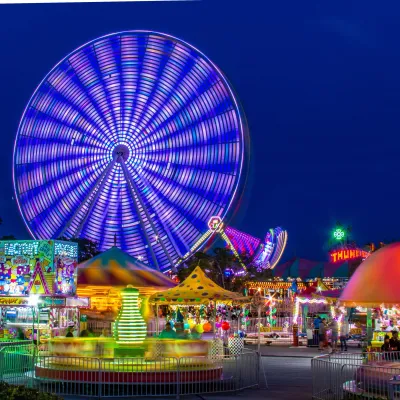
(347, 254)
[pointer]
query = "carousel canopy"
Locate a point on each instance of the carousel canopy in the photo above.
(307, 269)
(196, 289)
(376, 280)
(118, 269)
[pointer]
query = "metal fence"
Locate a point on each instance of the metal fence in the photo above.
(356, 376)
(128, 377)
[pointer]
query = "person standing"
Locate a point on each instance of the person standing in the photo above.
(322, 334)
(334, 333)
(316, 322)
(344, 334)
(394, 341)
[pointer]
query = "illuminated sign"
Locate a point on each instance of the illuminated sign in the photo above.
(13, 301)
(80, 302)
(66, 249)
(338, 234)
(44, 267)
(347, 254)
(215, 223)
(51, 301)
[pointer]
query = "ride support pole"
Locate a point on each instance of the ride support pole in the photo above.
(295, 335)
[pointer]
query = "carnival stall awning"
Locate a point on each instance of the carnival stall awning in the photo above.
(376, 280)
(118, 269)
(308, 269)
(331, 296)
(196, 289)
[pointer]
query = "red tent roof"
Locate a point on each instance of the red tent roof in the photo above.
(376, 280)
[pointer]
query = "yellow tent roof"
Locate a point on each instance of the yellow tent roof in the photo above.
(196, 289)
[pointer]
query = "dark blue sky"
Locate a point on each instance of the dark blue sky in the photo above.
(320, 85)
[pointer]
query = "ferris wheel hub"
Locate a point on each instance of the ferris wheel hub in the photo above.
(121, 152)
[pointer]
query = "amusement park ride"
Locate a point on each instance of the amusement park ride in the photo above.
(136, 135)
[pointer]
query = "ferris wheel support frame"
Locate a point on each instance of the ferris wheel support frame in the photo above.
(166, 228)
(133, 187)
(146, 235)
(99, 186)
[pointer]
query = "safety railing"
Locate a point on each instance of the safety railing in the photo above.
(372, 375)
(130, 377)
(16, 361)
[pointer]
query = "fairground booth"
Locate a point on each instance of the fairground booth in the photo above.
(373, 289)
(101, 280)
(37, 288)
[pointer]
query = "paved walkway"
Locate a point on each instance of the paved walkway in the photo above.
(286, 351)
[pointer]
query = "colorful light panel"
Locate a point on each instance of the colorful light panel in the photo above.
(136, 134)
(263, 254)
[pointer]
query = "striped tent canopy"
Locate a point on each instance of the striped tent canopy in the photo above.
(196, 289)
(307, 269)
(118, 269)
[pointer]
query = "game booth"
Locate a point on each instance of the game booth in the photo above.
(196, 309)
(37, 289)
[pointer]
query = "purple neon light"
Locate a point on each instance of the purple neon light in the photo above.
(263, 254)
(181, 129)
(243, 242)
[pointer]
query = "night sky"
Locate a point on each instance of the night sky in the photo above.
(319, 83)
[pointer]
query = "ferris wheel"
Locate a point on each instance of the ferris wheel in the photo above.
(135, 137)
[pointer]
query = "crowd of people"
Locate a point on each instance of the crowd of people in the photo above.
(323, 326)
(391, 343)
(179, 332)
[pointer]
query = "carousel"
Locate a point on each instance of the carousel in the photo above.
(101, 280)
(131, 356)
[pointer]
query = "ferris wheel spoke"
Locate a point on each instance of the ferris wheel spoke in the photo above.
(136, 203)
(75, 98)
(138, 197)
(49, 154)
(154, 198)
(157, 64)
(192, 110)
(56, 172)
(132, 49)
(53, 202)
(101, 213)
(90, 198)
(54, 123)
(179, 90)
(174, 214)
(182, 194)
(136, 97)
(169, 108)
(96, 84)
(218, 129)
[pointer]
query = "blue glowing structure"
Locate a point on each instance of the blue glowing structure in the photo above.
(136, 135)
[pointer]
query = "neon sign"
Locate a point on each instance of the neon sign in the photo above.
(338, 234)
(347, 254)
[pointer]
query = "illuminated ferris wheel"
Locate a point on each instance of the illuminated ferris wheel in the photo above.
(135, 136)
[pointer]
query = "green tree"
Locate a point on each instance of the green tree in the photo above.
(215, 265)
(8, 237)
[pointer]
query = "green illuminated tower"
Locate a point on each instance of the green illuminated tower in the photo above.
(130, 327)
